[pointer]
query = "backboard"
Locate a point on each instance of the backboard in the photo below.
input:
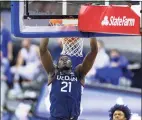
(32, 18)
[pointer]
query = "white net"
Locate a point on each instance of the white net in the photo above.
(72, 46)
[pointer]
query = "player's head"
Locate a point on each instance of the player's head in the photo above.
(119, 112)
(114, 53)
(100, 44)
(26, 43)
(64, 63)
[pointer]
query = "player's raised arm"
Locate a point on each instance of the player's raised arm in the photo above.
(45, 55)
(90, 57)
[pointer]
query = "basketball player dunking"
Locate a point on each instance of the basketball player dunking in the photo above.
(66, 89)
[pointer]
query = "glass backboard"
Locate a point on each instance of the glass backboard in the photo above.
(35, 18)
(54, 9)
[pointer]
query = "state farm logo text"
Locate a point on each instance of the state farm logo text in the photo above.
(118, 21)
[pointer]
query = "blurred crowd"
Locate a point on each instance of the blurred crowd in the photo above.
(110, 67)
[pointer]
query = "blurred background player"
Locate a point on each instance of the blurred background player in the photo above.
(6, 42)
(27, 65)
(4, 79)
(116, 72)
(119, 112)
(6, 46)
(121, 62)
(102, 60)
(66, 89)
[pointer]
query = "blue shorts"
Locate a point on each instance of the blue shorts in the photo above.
(54, 118)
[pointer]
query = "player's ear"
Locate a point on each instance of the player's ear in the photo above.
(57, 64)
(71, 66)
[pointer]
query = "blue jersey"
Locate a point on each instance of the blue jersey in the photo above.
(65, 96)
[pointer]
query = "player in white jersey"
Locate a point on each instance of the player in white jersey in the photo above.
(28, 63)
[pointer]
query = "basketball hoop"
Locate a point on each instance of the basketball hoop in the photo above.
(72, 46)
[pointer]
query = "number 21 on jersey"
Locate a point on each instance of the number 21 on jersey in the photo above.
(66, 87)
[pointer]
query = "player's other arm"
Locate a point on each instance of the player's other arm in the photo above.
(46, 57)
(89, 58)
(20, 60)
